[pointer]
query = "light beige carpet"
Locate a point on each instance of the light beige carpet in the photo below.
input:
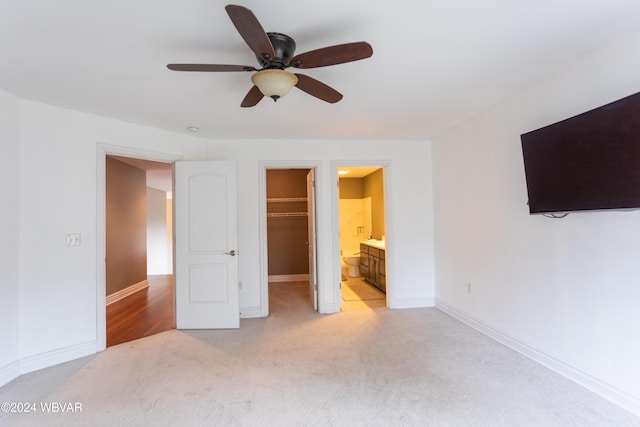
(366, 367)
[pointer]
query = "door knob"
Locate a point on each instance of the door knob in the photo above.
(232, 252)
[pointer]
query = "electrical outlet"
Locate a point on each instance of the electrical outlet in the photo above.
(72, 239)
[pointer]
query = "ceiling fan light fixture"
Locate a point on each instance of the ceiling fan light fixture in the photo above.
(274, 83)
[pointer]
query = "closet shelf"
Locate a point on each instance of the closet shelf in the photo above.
(285, 214)
(287, 207)
(286, 199)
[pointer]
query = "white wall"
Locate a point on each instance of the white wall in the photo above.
(355, 224)
(158, 235)
(58, 191)
(565, 291)
(9, 235)
(408, 201)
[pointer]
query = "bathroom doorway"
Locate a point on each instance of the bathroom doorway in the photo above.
(362, 236)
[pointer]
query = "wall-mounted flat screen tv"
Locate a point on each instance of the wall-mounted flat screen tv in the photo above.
(587, 162)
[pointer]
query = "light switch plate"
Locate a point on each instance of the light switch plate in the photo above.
(72, 239)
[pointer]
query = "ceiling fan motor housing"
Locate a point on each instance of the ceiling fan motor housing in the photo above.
(284, 48)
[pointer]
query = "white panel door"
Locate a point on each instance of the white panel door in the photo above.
(311, 239)
(206, 276)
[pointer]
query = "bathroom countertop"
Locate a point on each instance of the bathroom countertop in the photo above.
(374, 243)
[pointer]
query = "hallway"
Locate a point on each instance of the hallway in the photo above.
(144, 313)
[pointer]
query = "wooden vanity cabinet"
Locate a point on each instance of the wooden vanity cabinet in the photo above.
(364, 261)
(382, 273)
(372, 266)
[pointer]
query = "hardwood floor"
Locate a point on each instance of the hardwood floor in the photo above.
(144, 313)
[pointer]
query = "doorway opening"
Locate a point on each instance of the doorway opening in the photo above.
(362, 236)
(135, 244)
(291, 239)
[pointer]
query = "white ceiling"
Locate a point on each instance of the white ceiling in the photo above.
(356, 171)
(435, 63)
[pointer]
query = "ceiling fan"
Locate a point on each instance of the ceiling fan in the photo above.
(275, 53)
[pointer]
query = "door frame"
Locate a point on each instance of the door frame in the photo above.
(312, 237)
(262, 200)
(385, 165)
(102, 151)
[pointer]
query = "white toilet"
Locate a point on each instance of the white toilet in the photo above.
(353, 264)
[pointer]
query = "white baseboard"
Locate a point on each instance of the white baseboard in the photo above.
(123, 293)
(9, 373)
(602, 388)
(288, 278)
(55, 357)
(411, 302)
(44, 360)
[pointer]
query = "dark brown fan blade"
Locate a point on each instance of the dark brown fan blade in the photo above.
(318, 89)
(209, 67)
(252, 98)
(251, 31)
(332, 55)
